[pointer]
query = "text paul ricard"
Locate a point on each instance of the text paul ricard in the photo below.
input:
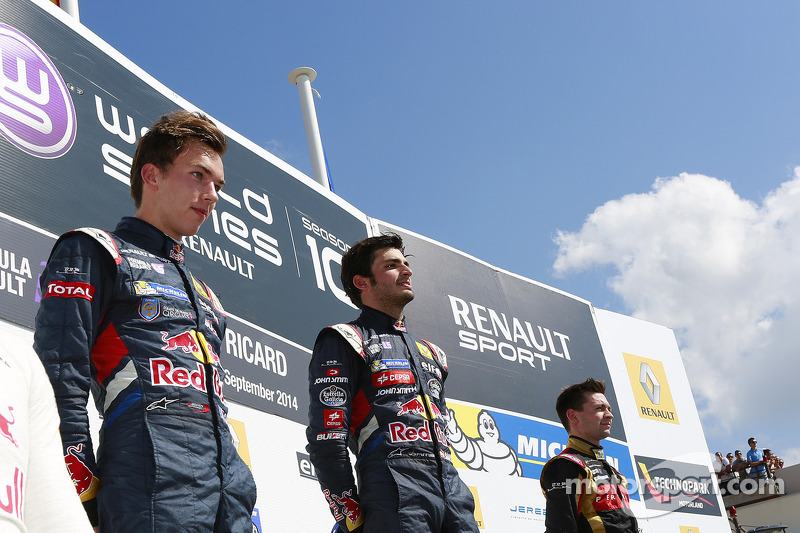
(485, 330)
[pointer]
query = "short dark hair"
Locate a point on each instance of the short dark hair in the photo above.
(738, 451)
(166, 139)
(751, 439)
(357, 261)
(573, 397)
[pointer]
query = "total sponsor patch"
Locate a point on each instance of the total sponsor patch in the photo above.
(63, 289)
(333, 396)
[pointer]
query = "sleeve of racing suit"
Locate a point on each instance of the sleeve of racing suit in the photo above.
(332, 367)
(562, 505)
(75, 289)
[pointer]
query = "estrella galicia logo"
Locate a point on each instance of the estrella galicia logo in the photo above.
(36, 111)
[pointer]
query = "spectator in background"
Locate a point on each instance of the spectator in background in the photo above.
(758, 466)
(722, 467)
(739, 466)
(773, 462)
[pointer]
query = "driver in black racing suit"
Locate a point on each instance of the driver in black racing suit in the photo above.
(585, 493)
(379, 390)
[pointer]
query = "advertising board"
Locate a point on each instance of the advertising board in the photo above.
(71, 110)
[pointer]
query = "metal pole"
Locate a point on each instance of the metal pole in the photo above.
(71, 7)
(302, 77)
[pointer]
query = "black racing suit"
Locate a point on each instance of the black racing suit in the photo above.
(121, 315)
(380, 391)
(585, 494)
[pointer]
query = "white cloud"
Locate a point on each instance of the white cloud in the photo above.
(724, 273)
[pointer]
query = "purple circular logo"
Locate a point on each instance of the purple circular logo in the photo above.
(36, 110)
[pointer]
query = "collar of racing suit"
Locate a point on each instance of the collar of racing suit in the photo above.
(144, 235)
(382, 319)
(586, 447)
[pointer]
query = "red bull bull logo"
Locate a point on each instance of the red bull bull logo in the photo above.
(5, 426)
(417, 407)
(185, 342)
(414, 406)
(344, 507)
(81, 476)
(192, 342)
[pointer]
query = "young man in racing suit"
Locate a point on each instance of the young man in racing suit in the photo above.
(123, 316)
(585, 494)
(379, 390)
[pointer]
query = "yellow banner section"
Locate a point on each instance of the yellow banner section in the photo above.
(651, 389)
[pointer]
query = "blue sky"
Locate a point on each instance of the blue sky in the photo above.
(532, 135)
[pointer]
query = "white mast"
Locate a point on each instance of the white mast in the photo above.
(302, 77)
(71, 7)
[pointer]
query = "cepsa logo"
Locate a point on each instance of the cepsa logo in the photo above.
(651, 389)
(36, 111)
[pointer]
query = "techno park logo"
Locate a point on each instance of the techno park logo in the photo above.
(36, 111)
(651, 389)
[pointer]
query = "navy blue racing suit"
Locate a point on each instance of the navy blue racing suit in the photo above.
(122, 316)
(380, 391)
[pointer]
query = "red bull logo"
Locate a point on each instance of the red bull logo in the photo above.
(185, 342)
(5, 426)
(414, 406)
(344, 507)
(192, 342)
(81, 475)
(399, 432)
(162, 372)
(417, 407)
(350, 507)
